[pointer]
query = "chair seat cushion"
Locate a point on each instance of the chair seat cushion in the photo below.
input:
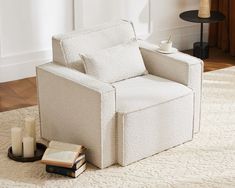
(145, 91)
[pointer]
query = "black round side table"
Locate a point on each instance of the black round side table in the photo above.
(201, 49)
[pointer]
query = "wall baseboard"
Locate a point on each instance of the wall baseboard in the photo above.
(23, 65)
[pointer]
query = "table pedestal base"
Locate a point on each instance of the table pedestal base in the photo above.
(201, 53)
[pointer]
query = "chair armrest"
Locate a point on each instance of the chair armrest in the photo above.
(76, 77)
(178, 67)
(77, 108)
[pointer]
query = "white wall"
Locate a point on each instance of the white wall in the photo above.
(93, 12)
(139, 12)
(26, 27)
(154, 20)
(165, 21)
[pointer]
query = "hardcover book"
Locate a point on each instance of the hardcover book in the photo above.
(65, 146)
(79, 162)
(62, 154)
(66, 171)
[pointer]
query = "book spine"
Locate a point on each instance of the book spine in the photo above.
(78, 164)
(60, 170)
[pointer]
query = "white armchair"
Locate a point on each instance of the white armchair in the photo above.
(125, 121)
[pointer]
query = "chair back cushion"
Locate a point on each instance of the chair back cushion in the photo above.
(67, 47)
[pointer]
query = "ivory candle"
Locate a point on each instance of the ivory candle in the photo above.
(204, 9)
(30, 129)
(16, 141)
(28, 147)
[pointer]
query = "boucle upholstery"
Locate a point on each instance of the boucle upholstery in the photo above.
(66, 47)
(153, 114)
(116, 63)
(178, 67)
(77, 108)
(154, 129)
(145, 91)
(118, 123)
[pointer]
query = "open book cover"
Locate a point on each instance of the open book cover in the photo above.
(62, 154)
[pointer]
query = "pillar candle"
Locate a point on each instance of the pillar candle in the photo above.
(16, 141)
(30, 129)
(204, 9)
(28, 147)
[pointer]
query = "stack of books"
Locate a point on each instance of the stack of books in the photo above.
(64, 159)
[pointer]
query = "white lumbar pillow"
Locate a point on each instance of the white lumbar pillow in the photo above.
(116, 63)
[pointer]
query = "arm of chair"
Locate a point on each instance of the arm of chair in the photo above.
(77, 108)
(178, 67)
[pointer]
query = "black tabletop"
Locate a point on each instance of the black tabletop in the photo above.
(192, 16)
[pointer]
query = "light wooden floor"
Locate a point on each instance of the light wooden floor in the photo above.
(18, 94)
(23, 93)
(217, 60)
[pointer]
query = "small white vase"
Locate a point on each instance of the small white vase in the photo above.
(204, 9)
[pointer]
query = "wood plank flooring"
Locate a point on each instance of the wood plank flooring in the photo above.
(217, 60)
(18, 94)
(23, 93)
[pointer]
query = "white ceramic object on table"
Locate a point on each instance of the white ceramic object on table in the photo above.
(171, 51)
(166, 45)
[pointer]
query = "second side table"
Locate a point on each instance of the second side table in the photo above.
(201, 49)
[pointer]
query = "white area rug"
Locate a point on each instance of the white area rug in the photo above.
(207, 161)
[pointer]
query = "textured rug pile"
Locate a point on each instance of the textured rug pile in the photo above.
(207, 161)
